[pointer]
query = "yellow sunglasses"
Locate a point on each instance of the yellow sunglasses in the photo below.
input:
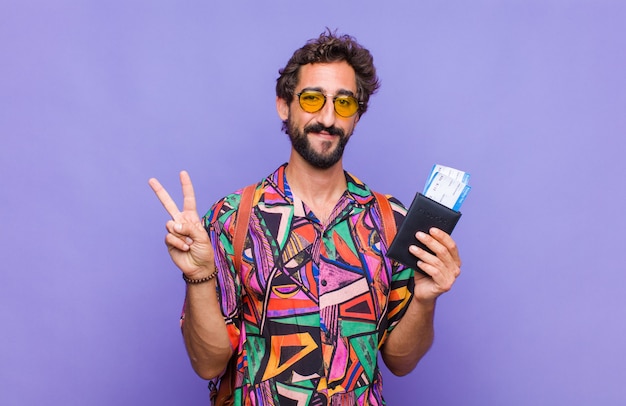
(312, 101)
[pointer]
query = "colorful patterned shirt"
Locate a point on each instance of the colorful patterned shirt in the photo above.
(312, 303)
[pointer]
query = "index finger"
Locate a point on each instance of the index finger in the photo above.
(164, 197)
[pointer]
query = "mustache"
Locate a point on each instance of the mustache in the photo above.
(318, 128)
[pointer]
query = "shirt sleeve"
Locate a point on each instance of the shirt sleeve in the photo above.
(402, 278)
(219, 223)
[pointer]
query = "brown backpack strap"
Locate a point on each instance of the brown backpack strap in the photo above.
(243, 219)
(225, 394)
(386, 217)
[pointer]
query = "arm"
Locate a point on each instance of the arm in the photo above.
(413, 335)
(204, 331)
(188, 243)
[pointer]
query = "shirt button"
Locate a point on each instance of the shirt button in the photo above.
(323, 282)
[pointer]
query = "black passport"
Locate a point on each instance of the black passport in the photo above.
(423, 214)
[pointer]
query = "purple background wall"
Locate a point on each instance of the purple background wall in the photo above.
(98, 96)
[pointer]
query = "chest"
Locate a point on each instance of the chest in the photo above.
(299, 265)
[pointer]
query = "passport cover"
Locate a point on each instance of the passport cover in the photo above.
(423, 214)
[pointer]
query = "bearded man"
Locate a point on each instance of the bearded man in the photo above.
(314, 299)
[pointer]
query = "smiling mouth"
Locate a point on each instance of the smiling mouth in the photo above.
(324, 134)
(321, 130)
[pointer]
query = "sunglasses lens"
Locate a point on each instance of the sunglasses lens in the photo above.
(346, 106)
(312, 101)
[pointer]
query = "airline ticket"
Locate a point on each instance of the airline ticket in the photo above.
(447, 186)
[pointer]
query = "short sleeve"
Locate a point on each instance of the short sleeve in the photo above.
(219, 223)
(402, 278)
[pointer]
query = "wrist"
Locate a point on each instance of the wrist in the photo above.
(201, 279)
(424, 304)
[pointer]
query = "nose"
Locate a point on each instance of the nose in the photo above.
(327, 116)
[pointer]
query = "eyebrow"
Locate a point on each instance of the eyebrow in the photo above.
(340, 92)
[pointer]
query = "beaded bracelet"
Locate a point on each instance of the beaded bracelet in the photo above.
(198, 281)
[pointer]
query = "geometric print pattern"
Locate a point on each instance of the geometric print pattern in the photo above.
(312, 303)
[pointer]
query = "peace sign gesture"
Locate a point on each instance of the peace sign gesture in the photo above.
(187, 241)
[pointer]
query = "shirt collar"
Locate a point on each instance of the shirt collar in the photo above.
(358, 192)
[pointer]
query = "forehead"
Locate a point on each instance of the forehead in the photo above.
(330, 77)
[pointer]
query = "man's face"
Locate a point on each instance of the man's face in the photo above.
(320, 137)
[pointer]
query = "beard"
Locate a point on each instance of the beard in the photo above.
(300, 142)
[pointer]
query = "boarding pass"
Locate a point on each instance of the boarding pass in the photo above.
(447, 186)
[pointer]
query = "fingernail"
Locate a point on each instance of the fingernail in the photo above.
(178, 226)
(420, 235)
(188, 240)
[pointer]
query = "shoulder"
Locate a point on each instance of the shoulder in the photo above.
(363, 193)
(394, 208)
(225, 209)
(396, 205)
(228, 205)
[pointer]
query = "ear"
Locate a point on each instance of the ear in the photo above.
(282, 108)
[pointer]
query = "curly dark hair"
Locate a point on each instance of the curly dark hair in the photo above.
(330, 47)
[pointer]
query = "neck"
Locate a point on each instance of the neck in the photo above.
(320, 189)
